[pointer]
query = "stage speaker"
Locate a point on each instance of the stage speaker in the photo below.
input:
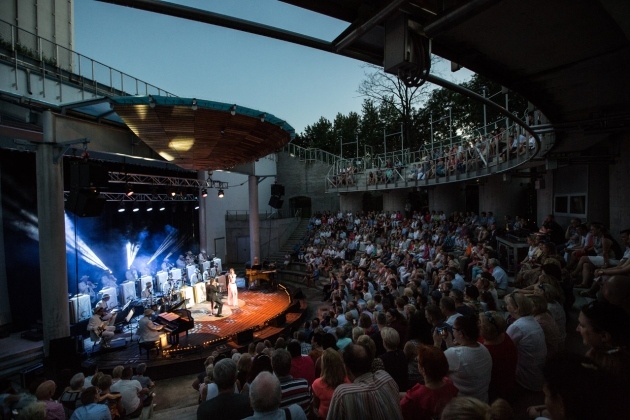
(298, 294)
(85, 202)
(62, 349)
(277, 189)
(279, 321)
(86, 174)
(275, 202)
(245, 337)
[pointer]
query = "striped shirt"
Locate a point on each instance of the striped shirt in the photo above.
(295, 391)
(372, 395)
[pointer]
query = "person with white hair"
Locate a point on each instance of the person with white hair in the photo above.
(265, 395)
(147, 329)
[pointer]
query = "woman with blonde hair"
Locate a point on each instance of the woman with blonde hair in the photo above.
(473, 409)
(547, 323)
(333, 374)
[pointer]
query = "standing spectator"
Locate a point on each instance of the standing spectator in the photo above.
(227, 404)
(370, 395)
(426, 401)
(333, 375)
(265, 397)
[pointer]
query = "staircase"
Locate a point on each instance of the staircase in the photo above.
(296, 238)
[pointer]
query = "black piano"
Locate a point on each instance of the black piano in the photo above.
(255, 278)
(176, 322)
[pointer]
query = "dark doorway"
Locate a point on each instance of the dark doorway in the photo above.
(301, 202)
(372, 202)
(472, 198)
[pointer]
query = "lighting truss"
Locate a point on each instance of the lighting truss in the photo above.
(121, 196)
(122, 178)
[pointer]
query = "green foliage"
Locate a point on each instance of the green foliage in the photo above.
(388, 104)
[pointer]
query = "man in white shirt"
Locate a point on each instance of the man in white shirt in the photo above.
(131, 392)
(449, 310)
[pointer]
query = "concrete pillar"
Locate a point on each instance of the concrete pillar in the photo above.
(254, 223)
(203, 237)
(52, 237)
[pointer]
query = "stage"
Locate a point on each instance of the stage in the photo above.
(259, 315)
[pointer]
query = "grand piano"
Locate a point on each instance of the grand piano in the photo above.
(256, 277)
(176, 322)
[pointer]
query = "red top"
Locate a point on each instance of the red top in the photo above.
(425, 403)
(303, 367)
(504, 359)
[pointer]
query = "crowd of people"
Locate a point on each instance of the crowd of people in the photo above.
(97, 396)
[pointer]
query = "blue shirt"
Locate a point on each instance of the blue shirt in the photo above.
(501, 277)
(92, 412)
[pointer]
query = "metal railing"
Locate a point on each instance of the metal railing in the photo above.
(51, 58)
(243, 215)
(310, 154)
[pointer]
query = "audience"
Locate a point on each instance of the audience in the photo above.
(333, 374)
(227, 404)
(265, 397)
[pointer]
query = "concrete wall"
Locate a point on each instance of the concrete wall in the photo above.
(619, 187)
(544, 198)
(352, 202)
(503, 196)
(306, 179)
(447, 197)
(394, 200)
(273, 234)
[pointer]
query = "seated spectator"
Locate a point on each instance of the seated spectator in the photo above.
(605, 330)
(145, 381)
(200, 377)
(72, 394)
(616, 290)
(529, 339)
(394, 359)
(547, 323)
(504, 355)
(342, 340)
(90, 409)
(333, 374)
(265, 397)
(370, 395)
(113, 401)
(472, 409)
(44, 393)
(293, 390)
(134, 397)
(302, 366)
(470, 363)
(449, 310)
(427, 400)
(227, 404)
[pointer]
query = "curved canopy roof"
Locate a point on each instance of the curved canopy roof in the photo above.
(202, 135)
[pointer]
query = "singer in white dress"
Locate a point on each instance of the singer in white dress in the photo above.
(232, 299)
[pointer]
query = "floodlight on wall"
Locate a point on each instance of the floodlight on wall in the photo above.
(221, 194)
(204, 192)
(162, 206)
(233, 109)
(121, 207)
(194, 104)
(149, 206)
(136, 207)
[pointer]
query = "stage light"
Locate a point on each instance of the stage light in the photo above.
(204, 192)
(121, 207)
(221, 194)
(149, 206)
(162, 206)
(173, 192)
(197, 206)
(194, 105)
(136, 207)
(129, 190)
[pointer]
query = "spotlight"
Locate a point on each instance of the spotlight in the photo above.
(129, 191)
(149, 206)
(197, 206)
(121, 207)
(162, 206)
(194, 104)
(204, 192)
(136, 207)
(173, 192)
(233, 109)
(221, 194)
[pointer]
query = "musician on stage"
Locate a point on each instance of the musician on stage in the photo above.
(107, 315)
(206, 275)
(108, 280)
(203, 257)
(86, 287)
(99, 327)
(147, 329)
(232, 299)
(214, 295)
(147, 292)
(196, 277)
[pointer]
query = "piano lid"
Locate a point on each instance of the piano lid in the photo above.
(169, 316)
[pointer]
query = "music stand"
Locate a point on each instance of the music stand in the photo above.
(128, 319)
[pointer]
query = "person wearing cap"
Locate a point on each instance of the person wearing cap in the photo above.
(104, 304)
(147, 329)
(147, 292)
(99, 327)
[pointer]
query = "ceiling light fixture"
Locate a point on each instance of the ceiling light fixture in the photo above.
(129, 190)
(194, 104)
(121, 207)
(204, 192)
(221, 194)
